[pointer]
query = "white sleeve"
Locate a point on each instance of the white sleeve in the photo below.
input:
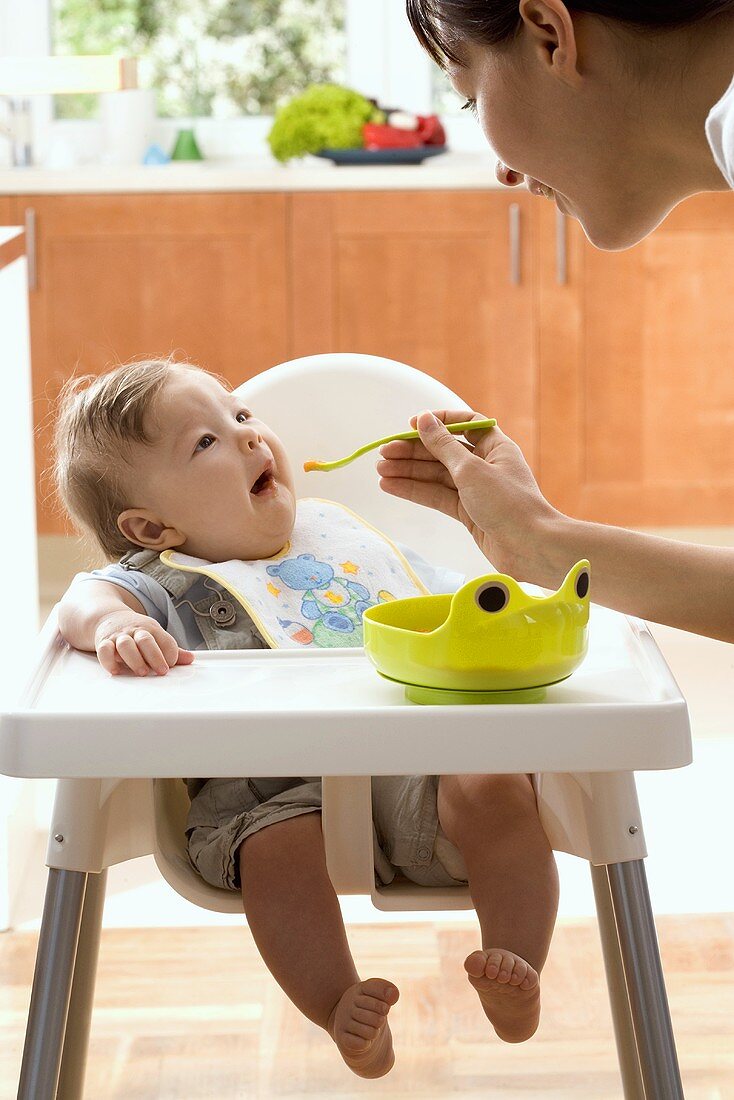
(720, 134)
(437, 578)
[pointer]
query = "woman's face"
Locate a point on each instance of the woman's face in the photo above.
(560, 107)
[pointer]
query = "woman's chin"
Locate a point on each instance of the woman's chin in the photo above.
(611, 233)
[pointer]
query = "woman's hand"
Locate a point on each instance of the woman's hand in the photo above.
(127, 640)
(485, 483)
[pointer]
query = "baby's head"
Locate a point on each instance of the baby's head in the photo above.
(157, 454)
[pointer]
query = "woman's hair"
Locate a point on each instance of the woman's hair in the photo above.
(441, 24)
(97, 417)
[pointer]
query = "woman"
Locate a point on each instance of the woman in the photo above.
(616, 110)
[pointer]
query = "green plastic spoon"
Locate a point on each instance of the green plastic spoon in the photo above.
(455, 429)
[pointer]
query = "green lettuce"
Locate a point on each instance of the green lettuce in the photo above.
(325, 116)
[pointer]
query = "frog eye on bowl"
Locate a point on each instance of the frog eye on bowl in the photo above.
(493, 597)
(582, 584)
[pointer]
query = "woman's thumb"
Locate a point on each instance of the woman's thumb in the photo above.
(436, 438)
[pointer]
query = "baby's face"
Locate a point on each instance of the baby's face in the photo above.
(215, 478)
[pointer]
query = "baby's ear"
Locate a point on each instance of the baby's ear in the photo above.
(146, 530)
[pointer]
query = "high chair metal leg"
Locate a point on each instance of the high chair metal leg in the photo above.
(52, 981)
(624, 1031)
(645, 983)
(79, 1019)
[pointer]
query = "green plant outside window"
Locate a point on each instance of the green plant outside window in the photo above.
(220, 58)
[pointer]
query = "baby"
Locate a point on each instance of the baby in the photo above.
(156, 455)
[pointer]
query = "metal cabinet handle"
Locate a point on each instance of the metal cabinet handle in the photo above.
(515, 244)
(561, 249)
(30, 238)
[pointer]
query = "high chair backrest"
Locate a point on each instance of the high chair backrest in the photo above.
(326, 406)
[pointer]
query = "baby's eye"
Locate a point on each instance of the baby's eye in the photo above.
(205, 442)
(242, 417)
(470, 105)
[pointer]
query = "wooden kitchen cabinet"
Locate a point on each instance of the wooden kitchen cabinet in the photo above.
(636, 378)
(428, 278)
(122, 276)
(613, 371)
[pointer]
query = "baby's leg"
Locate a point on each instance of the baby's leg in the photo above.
(295, 919)
(493, 821)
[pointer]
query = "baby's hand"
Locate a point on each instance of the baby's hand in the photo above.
(127, 639)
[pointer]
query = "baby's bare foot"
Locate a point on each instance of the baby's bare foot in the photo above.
(358, 1025)
(509, 990)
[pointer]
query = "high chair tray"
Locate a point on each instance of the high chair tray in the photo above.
(327, 712)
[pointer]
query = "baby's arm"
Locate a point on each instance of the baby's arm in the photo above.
(105, 619)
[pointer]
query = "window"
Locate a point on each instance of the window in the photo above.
(234, 60)
(222, 58)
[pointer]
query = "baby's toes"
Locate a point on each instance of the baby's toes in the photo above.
(475, 963)
(377, 995)
(478, 964)
(507, 967)
(496, 966)
(371, 1016)
(519, 972)
(364, 1031)
(530, 980)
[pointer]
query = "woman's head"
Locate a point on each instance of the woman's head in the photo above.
(601, 104)
(157, 454)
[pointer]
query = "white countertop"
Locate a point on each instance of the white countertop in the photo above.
(461, 171)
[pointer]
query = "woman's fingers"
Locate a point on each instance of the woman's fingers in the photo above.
(418, 469)
(428, 493)
(413, 449)
(444, 446)
(451, 416)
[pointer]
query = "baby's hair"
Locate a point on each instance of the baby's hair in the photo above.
(98, 417)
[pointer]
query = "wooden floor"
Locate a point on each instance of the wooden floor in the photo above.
(183, 1014)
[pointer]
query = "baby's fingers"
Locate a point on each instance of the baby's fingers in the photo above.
(151, 652)
(107, 657)
(168, 647)
(129, 653)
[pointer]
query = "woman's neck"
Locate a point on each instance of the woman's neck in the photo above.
(695, 66)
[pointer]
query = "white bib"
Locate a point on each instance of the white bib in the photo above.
(314, 590)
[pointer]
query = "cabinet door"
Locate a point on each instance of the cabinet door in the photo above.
(425, 278)
(124, 276)
(636, 380)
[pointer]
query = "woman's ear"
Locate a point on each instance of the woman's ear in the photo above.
(553, 34)
(147, 531)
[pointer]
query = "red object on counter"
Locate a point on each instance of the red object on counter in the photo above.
(376, 136)
(431, 130)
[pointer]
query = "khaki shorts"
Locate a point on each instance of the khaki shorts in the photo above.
(407, 834)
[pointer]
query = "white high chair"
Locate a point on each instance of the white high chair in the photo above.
(120, 746)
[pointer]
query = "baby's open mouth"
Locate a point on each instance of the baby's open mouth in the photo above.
(264, 481)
